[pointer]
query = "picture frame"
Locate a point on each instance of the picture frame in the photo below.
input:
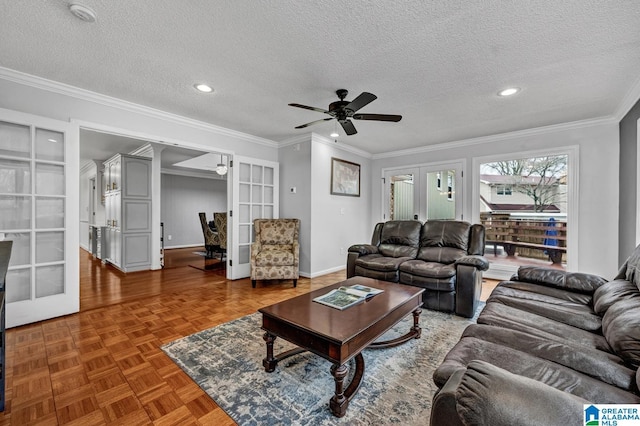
(345, 178)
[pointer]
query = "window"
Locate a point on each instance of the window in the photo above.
(449, 187)
(503, 190)
(439, 181)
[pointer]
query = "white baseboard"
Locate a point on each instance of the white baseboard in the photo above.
(325, 272)
(183, 246)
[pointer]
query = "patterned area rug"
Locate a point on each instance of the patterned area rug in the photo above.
(226, 362)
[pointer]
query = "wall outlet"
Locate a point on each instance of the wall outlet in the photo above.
(169, 237)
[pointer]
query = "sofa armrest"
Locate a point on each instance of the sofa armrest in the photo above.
(468, 289)
(488, 395)
(363, 249)
(352, 256)
(479, 262)
(574, 281)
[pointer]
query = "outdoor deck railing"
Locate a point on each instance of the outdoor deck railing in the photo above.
(533, 238)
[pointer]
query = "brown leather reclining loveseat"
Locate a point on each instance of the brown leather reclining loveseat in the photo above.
(445, 257)
(546, 343)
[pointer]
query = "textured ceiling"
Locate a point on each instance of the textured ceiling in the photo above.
(437, 63)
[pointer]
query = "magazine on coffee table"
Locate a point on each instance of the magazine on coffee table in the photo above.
(345, 296)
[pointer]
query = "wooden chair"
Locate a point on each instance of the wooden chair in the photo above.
(210, 237)
(275, 252)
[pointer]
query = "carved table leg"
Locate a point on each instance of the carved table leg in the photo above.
(416, 323)
(339, 401)
(269, 362)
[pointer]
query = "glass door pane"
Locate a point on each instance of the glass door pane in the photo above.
(440, 195)
(255, 196)
(402, 194)
(34, 203)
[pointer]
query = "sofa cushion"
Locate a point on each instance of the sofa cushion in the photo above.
(378, 262)
(542, 292)
(621, 328)
(575, 314)
(518, 362)
(575, 281)
(612, 292)
(443, 241)
(489, 395)
(400, 238)
(428, 269)
(601, 365)
(516, 319)
(632, 265)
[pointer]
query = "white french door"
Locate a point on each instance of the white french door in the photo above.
(255, 196)
(423, 193)
(39, 213)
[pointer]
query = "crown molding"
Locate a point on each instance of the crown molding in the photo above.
(109, 101)
(630, 99)
(336, 145)
(192, 174)
(306, 137)
(500, 137)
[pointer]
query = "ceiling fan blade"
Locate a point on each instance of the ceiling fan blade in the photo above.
(364, 99)
(309, 107)
(302, 126)
(378, 117)
(348, 127)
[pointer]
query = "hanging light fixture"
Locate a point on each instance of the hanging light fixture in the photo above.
(221, 168)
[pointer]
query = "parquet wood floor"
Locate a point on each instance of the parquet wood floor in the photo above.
(104, 365)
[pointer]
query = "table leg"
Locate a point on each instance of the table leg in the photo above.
(416, 323)
(339, 401)
(269, 362)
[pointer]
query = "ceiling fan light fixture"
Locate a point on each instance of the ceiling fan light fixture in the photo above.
(83, 12)
(509, 91)
(204, 88)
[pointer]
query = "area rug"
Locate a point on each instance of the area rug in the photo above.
(226, 362)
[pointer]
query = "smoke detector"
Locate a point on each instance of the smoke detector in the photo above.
(82, 12)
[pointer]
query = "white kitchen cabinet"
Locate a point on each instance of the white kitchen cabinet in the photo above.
(128, 212)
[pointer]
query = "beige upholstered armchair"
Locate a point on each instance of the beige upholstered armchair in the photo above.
(275, 254)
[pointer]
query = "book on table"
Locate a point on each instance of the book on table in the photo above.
(346, 296)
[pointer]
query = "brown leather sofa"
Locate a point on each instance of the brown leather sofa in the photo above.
(546, 343)
(444, 257)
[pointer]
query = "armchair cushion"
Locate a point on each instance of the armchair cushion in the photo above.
(275, 255)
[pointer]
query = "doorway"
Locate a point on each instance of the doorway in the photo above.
(426, 192)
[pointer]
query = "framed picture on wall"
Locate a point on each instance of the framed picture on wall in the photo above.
(345, 178)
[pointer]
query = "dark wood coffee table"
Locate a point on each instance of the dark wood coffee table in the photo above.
(339, 335)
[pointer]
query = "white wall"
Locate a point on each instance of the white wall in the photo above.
(295, 172)
(598, 197)
(337, 221)
(183, 197)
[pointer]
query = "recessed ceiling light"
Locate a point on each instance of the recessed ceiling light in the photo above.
(52, 140)
(509, 91)
(82, 12)
(334, 135)
(203, 88)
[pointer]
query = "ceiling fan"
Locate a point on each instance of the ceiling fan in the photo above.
(343, 110)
